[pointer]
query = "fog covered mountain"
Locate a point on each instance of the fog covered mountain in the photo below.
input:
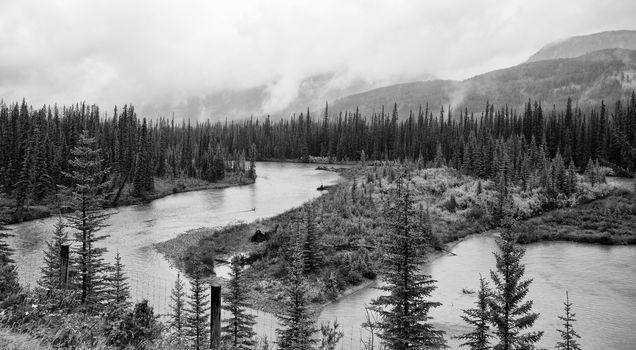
(580, 45)
(607, 74)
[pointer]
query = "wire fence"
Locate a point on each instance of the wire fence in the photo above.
(158, 290)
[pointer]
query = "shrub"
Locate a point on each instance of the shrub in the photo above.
(451, 204)
(475, 213)
(138, 328)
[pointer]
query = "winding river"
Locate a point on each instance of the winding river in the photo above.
(134, 229)
(601, 279)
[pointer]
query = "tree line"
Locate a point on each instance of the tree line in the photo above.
(37, 146)
(37, 143)
(600, 133)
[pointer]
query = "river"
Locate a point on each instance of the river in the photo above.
(601, 279)
(134, 229)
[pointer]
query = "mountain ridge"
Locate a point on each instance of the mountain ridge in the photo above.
(582, 44)
(604, 74)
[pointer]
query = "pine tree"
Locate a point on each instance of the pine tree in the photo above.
(51, 271)
(568, 334)
(252, 171)
(218, 165)
(296, 318)
(138, 328)
(42, 181)
(197, 317)
(118, 290)
(440, 160)
(238, 332)
(572, 179)
(143, 181)
(510, 314)
(87, 198)
(117, 307)
(478, 318)
(502, 183)
(177, 314)
(10, 290)
(559, 175)
(600, 175)
(404, 311)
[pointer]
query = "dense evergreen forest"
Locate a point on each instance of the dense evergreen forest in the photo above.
(601, 133)
(36, 143)
(37, 146)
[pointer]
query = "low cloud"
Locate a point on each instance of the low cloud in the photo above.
(166, 56)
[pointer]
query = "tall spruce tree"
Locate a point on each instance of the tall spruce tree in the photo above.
(478, 319)
(51, 277)
(252, 170)
(238, 332)
(177, 311)
(143, 181)
(296, 318)
(197, 316)
(568, 334)
(23, 190)
(404, 311)
(510, 314)
(502, 183)
(88, 217)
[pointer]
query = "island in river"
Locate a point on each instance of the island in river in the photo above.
(348, 223)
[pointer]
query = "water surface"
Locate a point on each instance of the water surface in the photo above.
(134, 229)
(601, 281)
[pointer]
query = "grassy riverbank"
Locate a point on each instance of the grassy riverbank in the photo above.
(348, 223)
(610, 220)
(163, 187)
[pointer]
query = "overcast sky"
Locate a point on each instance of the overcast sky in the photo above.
(164, 52)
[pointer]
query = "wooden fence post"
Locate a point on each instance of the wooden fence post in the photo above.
(64, 255)
(215, 317)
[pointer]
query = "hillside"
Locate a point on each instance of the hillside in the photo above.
(581, 45)
(277, 101)
(606, 74)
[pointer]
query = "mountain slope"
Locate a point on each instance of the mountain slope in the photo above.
(311, 92)
(606, 74)
(581, 45)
